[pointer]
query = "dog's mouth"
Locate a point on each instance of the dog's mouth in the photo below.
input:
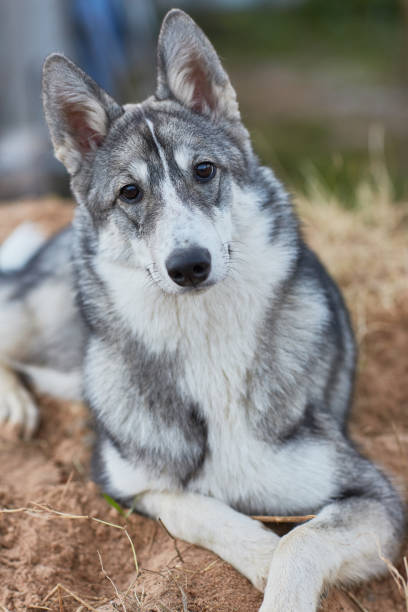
(202, 288)
(154, 281)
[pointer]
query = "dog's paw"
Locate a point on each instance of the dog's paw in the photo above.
(287, 601)
(289, 592)
(254, 562)
(18, 410)
(294, 583)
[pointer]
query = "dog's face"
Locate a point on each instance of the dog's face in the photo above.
(167, 197)
(159, 177)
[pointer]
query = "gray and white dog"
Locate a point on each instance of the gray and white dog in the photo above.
(217, 354)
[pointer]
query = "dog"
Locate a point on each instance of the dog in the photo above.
(213, 349)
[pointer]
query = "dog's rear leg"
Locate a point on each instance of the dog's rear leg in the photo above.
(18, 410)
(341, 545)
(207, 522)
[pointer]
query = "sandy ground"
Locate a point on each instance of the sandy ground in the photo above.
(73, 562)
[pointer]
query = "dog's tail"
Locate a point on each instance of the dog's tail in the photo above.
(20, 246)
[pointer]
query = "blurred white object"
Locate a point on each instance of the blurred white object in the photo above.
(20, 246)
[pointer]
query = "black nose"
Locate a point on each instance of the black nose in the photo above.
(189, 267)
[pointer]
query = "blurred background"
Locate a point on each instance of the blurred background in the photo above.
(322, 84)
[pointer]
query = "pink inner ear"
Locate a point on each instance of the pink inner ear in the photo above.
(86, 138)
(203, 93)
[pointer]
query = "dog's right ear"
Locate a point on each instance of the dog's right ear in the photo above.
(78, 111)
(190, 70)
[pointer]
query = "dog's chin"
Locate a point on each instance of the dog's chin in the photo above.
(197, 290)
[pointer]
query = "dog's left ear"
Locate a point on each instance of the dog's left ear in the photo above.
(189, 69)
(79, 113)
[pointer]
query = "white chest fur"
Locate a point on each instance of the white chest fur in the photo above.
(216, 346)
(244, 471)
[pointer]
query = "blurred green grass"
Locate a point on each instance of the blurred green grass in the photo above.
(317, 32)
(295, 149)
(344, 44)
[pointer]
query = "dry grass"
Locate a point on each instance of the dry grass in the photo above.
(366, 248)
(131, 599)
(42, 511)
(400, 579)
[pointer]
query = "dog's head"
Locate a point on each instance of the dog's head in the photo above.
(158, 179)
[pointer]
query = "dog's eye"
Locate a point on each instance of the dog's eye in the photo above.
(131, 194)
(204, 171)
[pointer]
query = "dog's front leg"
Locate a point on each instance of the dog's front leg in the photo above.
(207, 522)
(341, 545)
